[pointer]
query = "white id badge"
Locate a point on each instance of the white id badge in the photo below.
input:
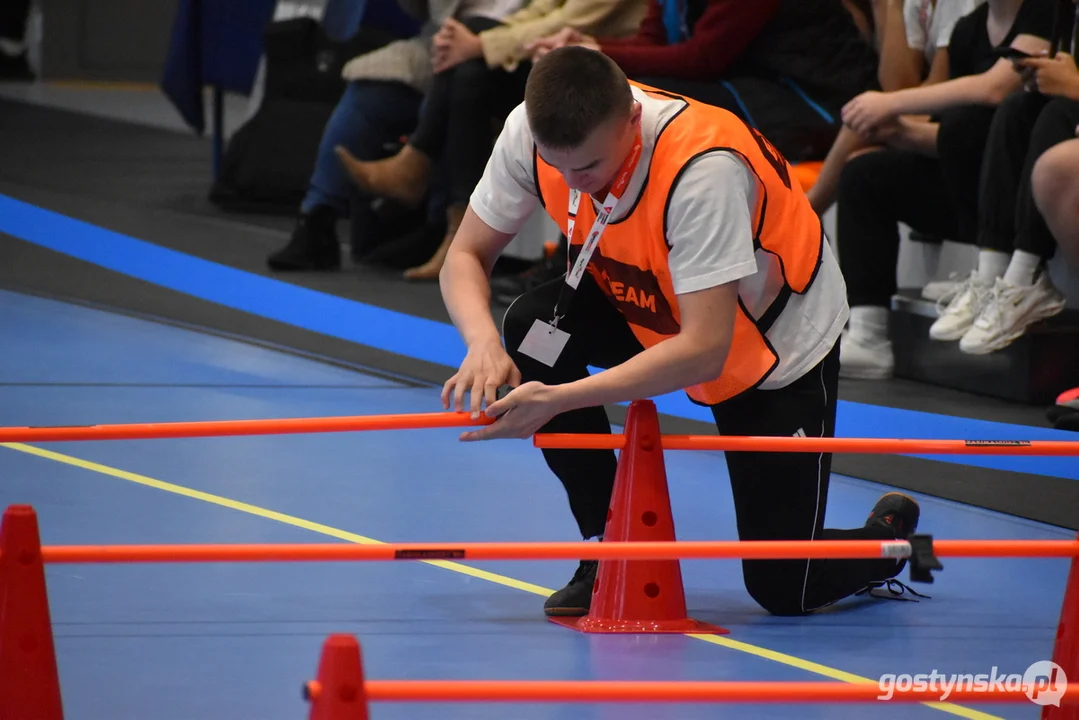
(544, 342)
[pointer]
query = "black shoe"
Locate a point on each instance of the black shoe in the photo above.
(898, 512)
(576, 598)
(313, 245)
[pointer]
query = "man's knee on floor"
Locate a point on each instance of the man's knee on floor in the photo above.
(781, 601)
(778, 587)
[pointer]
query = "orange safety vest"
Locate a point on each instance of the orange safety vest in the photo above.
(630, 263)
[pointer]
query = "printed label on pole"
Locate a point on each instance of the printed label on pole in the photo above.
(428, 554)
(897, 549)
(544, 342)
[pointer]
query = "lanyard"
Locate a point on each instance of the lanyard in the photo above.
(573, 277)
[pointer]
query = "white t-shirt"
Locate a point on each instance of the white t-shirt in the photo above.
(929, 23)
(709, 231)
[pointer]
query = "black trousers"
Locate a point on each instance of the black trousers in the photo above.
(933, 196)
(1025, 125)
(777, 496)
(797, 130)
(457, 121)
(13, 17)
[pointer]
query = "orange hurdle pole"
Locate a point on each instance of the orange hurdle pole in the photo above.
(616, 691)
(752, 549)
(227, 428)
(567, 441)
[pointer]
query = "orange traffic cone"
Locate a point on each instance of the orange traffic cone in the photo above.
(338, 693)
(29, 681)
(1054, 684)
(639, 596)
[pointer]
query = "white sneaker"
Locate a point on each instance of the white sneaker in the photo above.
(1010, 311)
(963, 309)
(863, 358)
(943, 291)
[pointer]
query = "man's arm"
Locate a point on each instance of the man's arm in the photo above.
(502, 202)
(695, 355)
(465, 278)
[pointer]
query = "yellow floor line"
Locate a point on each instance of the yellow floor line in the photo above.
(722, 641)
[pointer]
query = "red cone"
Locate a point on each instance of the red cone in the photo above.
(1066, 652)
(338, 693)
(29, 682)
(639, 596)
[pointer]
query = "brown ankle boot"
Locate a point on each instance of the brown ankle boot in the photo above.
(403, 177)
(430, 269)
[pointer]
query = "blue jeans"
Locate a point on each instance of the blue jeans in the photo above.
(369, 120)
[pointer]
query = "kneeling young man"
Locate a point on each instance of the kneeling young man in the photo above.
(696, 263)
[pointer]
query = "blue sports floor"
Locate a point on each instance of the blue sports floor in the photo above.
(230, 641)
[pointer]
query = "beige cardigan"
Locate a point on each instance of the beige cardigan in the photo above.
(409, 61)
(405, 61)
(605, 18)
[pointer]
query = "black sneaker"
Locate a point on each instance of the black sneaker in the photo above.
(576, 598)
(898, 512)
(313, 245)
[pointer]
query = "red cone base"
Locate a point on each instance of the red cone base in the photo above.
(1066, 649)
(639, 596)
(338, 693)
(29, 681)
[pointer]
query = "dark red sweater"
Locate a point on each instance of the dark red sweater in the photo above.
(723, 31)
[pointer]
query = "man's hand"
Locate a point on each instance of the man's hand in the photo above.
(485, 369)
(453, 45)
(520, 414)
(1053, 76)
(865, 112)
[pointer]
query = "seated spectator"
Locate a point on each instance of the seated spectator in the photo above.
(928, 176)
(380, 105)
(786, 67)
(1055, 186)
(481, 71)
(1011, 289)
(914, 51)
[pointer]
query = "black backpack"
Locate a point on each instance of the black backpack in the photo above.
(269, 159)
